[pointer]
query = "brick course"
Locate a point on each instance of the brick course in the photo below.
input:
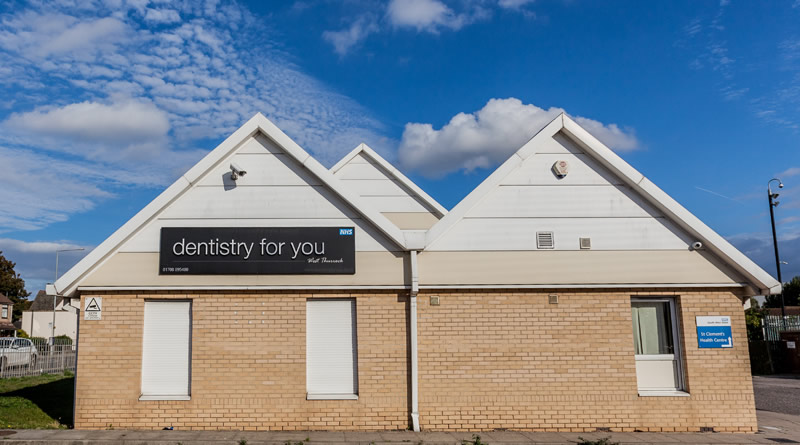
(508, 359)
(248, 365)
(488, 359)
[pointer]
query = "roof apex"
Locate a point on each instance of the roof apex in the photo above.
(67, 284)
(761, 280)
(437, 208)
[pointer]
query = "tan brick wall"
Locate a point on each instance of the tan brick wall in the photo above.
(488, 359)
(248, 365)
(503, 359)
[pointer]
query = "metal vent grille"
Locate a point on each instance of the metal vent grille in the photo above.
(586, 243)
(545, 240)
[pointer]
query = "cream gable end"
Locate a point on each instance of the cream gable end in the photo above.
(638, 235)
(387, 190)
(284, 187)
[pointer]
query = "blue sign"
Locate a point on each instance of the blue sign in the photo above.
(345, 232)
(714, 332)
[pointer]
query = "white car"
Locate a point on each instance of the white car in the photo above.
(17, 352)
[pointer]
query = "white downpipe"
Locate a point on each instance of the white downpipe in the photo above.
(413, 334)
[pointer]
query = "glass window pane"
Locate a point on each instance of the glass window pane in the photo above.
(652, 327)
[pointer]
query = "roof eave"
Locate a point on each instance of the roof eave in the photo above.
(67, 284)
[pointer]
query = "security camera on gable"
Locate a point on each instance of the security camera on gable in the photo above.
(236, 171)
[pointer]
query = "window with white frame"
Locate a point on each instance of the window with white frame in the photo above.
(5, 311)
(166, 350)
(656, 346)
(331, 349)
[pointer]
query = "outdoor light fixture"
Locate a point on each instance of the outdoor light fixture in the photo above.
(778, 261)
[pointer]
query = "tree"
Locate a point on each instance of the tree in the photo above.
(791, 295)
(752, 318)
(13, 286)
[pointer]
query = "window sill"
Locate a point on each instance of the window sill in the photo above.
(331, 396)
(145, 398)
(645, 393)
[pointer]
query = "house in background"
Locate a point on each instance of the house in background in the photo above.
(38, 320)
(7, 328)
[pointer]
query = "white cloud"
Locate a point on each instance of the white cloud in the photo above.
(53, 34)
(610, 134)
(35, 260)
(162, 16)
(104, 91)
(345, 39)
(513, 4)
(794, 171)
(122, 122)
(487, 137)
(759, 248)
(429, 15)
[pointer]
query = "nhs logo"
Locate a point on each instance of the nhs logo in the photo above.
(345, 232)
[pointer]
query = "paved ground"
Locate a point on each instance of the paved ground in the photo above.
(780, 394)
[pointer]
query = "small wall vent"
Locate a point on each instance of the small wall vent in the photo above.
(545, 240)
(586, 243)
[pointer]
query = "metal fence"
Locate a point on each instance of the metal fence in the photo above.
(21, 357)
(772, 326)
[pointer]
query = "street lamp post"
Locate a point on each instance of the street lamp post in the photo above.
(55, 297)
(775, 241)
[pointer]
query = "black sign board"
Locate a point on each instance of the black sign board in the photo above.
(257, 250)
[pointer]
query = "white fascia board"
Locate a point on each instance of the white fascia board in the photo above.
(290, 147)
(347, 158)
(68, 283)
(677, 213)
(224, 149)
(711, 240)
(394, 172)
(492, 181)
(397, 174)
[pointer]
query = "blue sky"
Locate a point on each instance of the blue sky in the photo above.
(105, 103)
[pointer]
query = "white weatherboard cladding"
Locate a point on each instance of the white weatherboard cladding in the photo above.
(360, 171)
(582, 171)
(166, 348)
(589, 202)
(394, 204)
(378, 188)
(263, 169)
(494, 234)
(259, 202)
(562, 201)
(331, 357)
(375, 187)
(276, 192)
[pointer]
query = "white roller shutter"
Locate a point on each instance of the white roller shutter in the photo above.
(166, 350)
(331, 358)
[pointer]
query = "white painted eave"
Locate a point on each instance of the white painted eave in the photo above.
(759, 280)
(678, 214)
(68, 283)
(437, 208)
